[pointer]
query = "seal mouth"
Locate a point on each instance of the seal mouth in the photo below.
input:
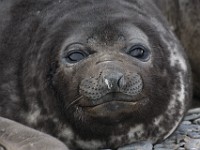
(111, 97)
(111, 109)
(115, 111)
(114, 106)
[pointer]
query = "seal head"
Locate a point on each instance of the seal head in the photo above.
(96, 74)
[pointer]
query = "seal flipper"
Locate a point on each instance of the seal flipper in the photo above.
(14, 136)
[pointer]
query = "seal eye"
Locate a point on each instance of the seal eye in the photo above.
(139, 52)
(75, 56)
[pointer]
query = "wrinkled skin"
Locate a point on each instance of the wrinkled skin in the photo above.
(108, 98)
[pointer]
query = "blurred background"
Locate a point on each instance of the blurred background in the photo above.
(184, 18)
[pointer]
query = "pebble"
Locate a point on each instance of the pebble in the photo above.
(194, 111)
(194, 135)
(186, 122)
(197, 121)
(192, 117)
(138, 146)
(193, 144)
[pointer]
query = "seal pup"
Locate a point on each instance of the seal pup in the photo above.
(94, 74)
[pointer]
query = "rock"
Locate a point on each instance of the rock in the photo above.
(186, 122)
(197, 121)
(162, 149)
(194, 111)
(193, 144)
(145, 145)
(185, 129)
(194, 135)
(192, 117)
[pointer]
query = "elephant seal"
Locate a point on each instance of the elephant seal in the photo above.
(94, 74)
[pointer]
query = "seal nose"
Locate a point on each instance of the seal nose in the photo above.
(114, 80)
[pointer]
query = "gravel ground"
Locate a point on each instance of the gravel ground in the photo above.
(186, 137)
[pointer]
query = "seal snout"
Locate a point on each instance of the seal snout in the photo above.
(111, 93)
(110, 83)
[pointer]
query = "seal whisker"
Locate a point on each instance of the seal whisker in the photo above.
(159, 76)
(73, 102)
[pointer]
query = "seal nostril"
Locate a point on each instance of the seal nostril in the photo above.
(121, 82)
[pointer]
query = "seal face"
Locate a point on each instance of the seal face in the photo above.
(94, 74)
